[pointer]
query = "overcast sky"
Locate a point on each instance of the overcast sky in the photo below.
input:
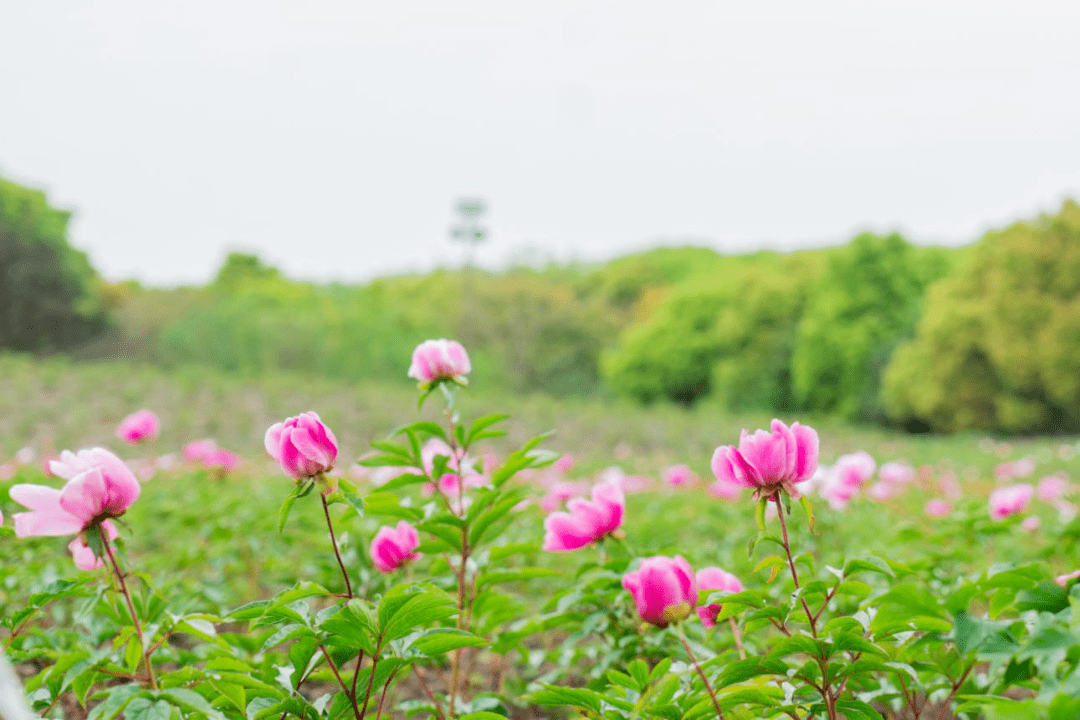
(334, 137)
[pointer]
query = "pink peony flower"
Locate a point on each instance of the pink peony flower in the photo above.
(938, 508)
(99, 487)
(896, 472)
(564, 464)
(435, 360)
(679, 476)
(587, 521)
(393, 547)
(767, 461)
(1010, 500)
(138, 427)
(664, 589)
(713, 578)
(1063, 580)
(302, 446)
(196, 450)
(1052, 487)
(221, 460)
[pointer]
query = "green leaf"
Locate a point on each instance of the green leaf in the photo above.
(1045, 597)
(480, 424)
(299, 490)
(116, 699)
(514, 575)
(805, 502)
(442, 640)
(574, 697)
(351, 495)
(191, 700)
(406, 607)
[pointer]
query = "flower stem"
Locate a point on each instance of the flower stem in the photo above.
(131, 607)
(738, 638)
(701, 674)
(337, 552)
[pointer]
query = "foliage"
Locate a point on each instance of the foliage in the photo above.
(867, 301)
(729, 332)
(50, 296)
(996, 346)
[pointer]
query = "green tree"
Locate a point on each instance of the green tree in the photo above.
(997, 346)
(868, 300)
(50, 296)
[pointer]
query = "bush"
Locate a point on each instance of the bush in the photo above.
(50, 296)
(867, 301)
(996, 348)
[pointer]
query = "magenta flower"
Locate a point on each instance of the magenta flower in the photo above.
(713, 578)
(435, 360)
(393, 547)
(302, 445)
(587, 521)
(196, 450)
(769, 461)
(1010, 500)
(565, 463)
(138, 427)
(1063, 580)
(938, 508)
(99, 487)
(664, 590)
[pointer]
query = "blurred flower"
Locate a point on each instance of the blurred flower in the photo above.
(302, 445)
(713, 578)
(564, 464)
(138, 427)
(1010, 500)
(587, 521)
(25, 456)
(1063, 580)
(196, 450)
(938, 508)
(664, 589)
(1031, 523)
(435, 360)
(221, 460)
(1052, 487)
(679, 476)
(724, 491)
(767, 461)
(896, 472)
(393, 547)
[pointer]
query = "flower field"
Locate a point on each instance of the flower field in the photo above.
(231, 556)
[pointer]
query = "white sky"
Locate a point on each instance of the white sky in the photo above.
(334, 137)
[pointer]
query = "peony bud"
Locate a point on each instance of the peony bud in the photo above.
(138, 427)
(767, 461)
(435, 360)
(302, 445)
(393, 547)
(664, 590)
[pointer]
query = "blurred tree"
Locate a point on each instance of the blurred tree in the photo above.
(997, 346)
(242, 266)
(50, 296)
(868, 300)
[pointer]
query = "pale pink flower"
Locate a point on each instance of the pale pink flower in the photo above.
(882, 491)
(564, 464)
(1063, 580)
(221, 461)
(436, 360)
(303, 446)
(1031, 523)
(196, 450)
(393, 547)
(1010, 500)
(25, 456)
(7, 471)
(558, 493)
(141, 426)
(767, 461)
(587, 521)
(713, 578)
(950, 486)
(896, 472)
(1052, 487)
(99, 487)
(679, 476)
(664, 589)
(938, 508)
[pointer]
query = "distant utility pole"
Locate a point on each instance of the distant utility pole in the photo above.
(468, 230)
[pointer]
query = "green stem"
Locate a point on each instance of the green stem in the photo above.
(337, 552)
(131, 607)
